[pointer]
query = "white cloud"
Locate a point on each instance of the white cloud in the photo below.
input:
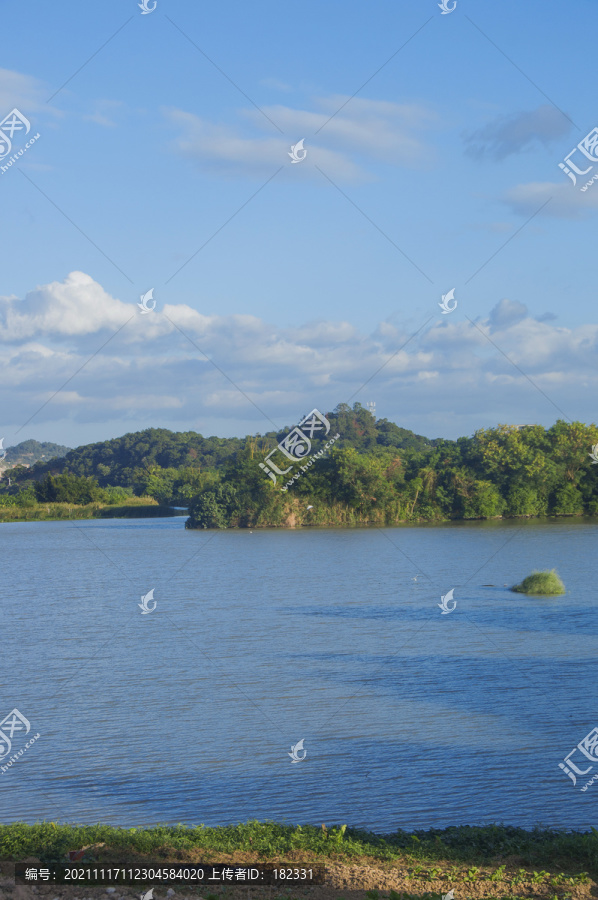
(28, 94)
(77, 306)
(150, 373)
(376, 128)
(341, 143)
(566, 200)
(223, 149)
(507, 312)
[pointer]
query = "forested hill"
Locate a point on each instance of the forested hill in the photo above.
(119, 461)
(374, 473)
(27, 453)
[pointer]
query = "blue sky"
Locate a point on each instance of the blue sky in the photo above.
(433, 144)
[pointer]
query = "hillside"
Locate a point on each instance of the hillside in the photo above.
(370, 473)
(118, 461)
(27, 453)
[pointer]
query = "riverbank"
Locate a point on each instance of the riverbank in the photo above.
(474, 862)
(148, 508)
(131, 508)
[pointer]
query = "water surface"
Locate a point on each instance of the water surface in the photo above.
(410, 718)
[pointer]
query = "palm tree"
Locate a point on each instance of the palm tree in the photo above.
(429, 478)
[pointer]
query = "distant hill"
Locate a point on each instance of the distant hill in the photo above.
(27, 453)
(117, 462)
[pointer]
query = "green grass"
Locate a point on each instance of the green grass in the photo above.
(129, 507)
(547, 583)
(553, 857)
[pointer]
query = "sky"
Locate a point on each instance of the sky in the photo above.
(429, 166)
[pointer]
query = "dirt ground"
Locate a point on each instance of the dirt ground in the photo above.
(347, 880)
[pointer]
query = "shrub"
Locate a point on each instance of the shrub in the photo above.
(484, 501)
(568, 501)
(212, 508)
(115, 494)
(541, 583)
(523, 500)
(68, 488)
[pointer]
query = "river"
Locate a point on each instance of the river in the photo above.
(259, 639)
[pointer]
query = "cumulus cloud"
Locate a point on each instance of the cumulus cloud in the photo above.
(76, 306)
(341, 143)
(516, 133)
(449, 380)
(505, 313)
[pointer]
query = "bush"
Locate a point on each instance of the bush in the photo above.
(541, 583)
(212, 508)
(116, 494)
(25, 498)
(485, 502)
(68, 488)
(568, 501)
(523, 500)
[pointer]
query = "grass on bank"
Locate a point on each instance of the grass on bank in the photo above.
(128, 508)
(547, 583)
(464, 854)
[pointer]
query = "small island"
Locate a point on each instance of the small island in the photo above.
(546, 583)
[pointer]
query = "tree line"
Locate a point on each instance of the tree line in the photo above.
(375, 473)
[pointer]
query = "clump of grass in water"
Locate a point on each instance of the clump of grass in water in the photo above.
(547, 583)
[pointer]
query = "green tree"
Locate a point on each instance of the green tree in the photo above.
(213, 508)
(567, 501)
(484, 501)
(523, 500)
(68, 488)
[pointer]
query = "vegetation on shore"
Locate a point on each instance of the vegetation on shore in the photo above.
(130, 508)
(376, 473)
(506, 471)
(506, 857)
(547, 583)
